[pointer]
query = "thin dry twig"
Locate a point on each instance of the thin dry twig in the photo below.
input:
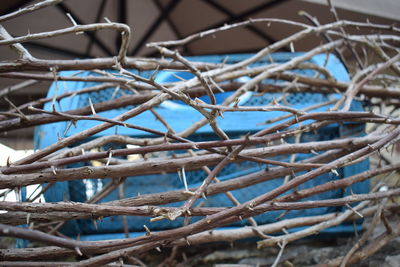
(273, 147)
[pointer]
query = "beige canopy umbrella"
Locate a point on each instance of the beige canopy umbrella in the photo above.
(174, 19)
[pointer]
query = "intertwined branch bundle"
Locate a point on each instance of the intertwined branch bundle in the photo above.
(371, 55)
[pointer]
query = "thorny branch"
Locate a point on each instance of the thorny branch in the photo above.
(276, 137)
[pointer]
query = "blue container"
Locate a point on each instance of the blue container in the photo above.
(180, 117)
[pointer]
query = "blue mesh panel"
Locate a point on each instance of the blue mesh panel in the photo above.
(103, 95)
